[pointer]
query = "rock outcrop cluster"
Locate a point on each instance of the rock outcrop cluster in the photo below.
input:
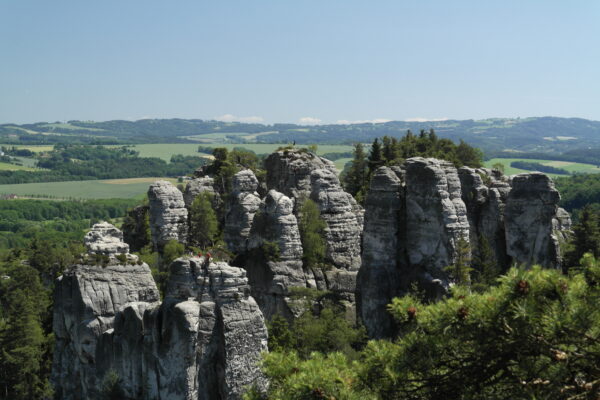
(168, 214)
(202, 342)
(421, 217)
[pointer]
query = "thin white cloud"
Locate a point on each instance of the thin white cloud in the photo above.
(234, 118)
(363, 121)
(421, 119)
(309, 121)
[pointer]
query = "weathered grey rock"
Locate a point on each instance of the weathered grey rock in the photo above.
(416, 214)
(288, 172)
(531, 206)
(105, 239)
(203, 342)
(485, 210)
(436, 219)
(271, 280)
(196, 186)
(168, 215)
(87, 299)
(343, 232)
(243, 206)
(209, 334)
(380, 280)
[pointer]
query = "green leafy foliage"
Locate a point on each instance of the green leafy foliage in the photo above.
(25, 346)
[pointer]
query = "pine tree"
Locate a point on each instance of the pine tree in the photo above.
(312, 230)
(375, 156)
(204, 227)
(355, 180)
(586, 237)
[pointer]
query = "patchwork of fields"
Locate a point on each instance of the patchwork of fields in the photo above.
(95, 189)
(572, 167)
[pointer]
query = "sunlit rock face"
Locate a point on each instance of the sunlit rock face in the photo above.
(168, 215)
(204, 341)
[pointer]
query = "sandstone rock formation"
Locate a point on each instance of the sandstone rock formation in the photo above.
(196, 186)
(244, 204)
(168, 215)
(275, 225)
(104, 238)
(416, 214)
(202, 342)
(288, 172)
(531, 207)
(436, 220)
(343, 232)
(87, 299)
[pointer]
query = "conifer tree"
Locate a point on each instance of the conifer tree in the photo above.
(355, 180)
(204, 227)
(312, 230)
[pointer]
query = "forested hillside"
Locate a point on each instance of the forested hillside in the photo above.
(494, 135)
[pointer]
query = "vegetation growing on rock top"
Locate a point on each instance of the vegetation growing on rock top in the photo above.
(390, 151)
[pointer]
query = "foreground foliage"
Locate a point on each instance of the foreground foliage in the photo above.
(534, 336)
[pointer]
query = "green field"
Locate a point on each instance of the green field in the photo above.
(572, 167)
(98, 189)
(165, 151)
(12, 167)
(34, 148)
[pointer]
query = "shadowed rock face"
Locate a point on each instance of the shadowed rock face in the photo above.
(203, 342)
(416, 214)
(531, 207)
(271, 280)
(87, 299)
(243, 206)
(168, 215)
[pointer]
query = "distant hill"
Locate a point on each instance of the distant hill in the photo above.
(495, 135)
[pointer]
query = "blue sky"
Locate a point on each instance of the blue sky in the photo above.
(298, 61)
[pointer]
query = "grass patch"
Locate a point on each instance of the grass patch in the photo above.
(12, 167)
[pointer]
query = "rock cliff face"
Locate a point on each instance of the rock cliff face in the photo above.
(417, 214)
(531, 207)
(275, 225)
(168, 215)
(243, 206)
(288, 172)
(87, 299)
(202, 342)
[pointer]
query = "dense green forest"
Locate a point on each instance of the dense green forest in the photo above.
(76, 162)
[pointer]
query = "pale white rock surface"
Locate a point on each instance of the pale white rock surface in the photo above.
(168, 215)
